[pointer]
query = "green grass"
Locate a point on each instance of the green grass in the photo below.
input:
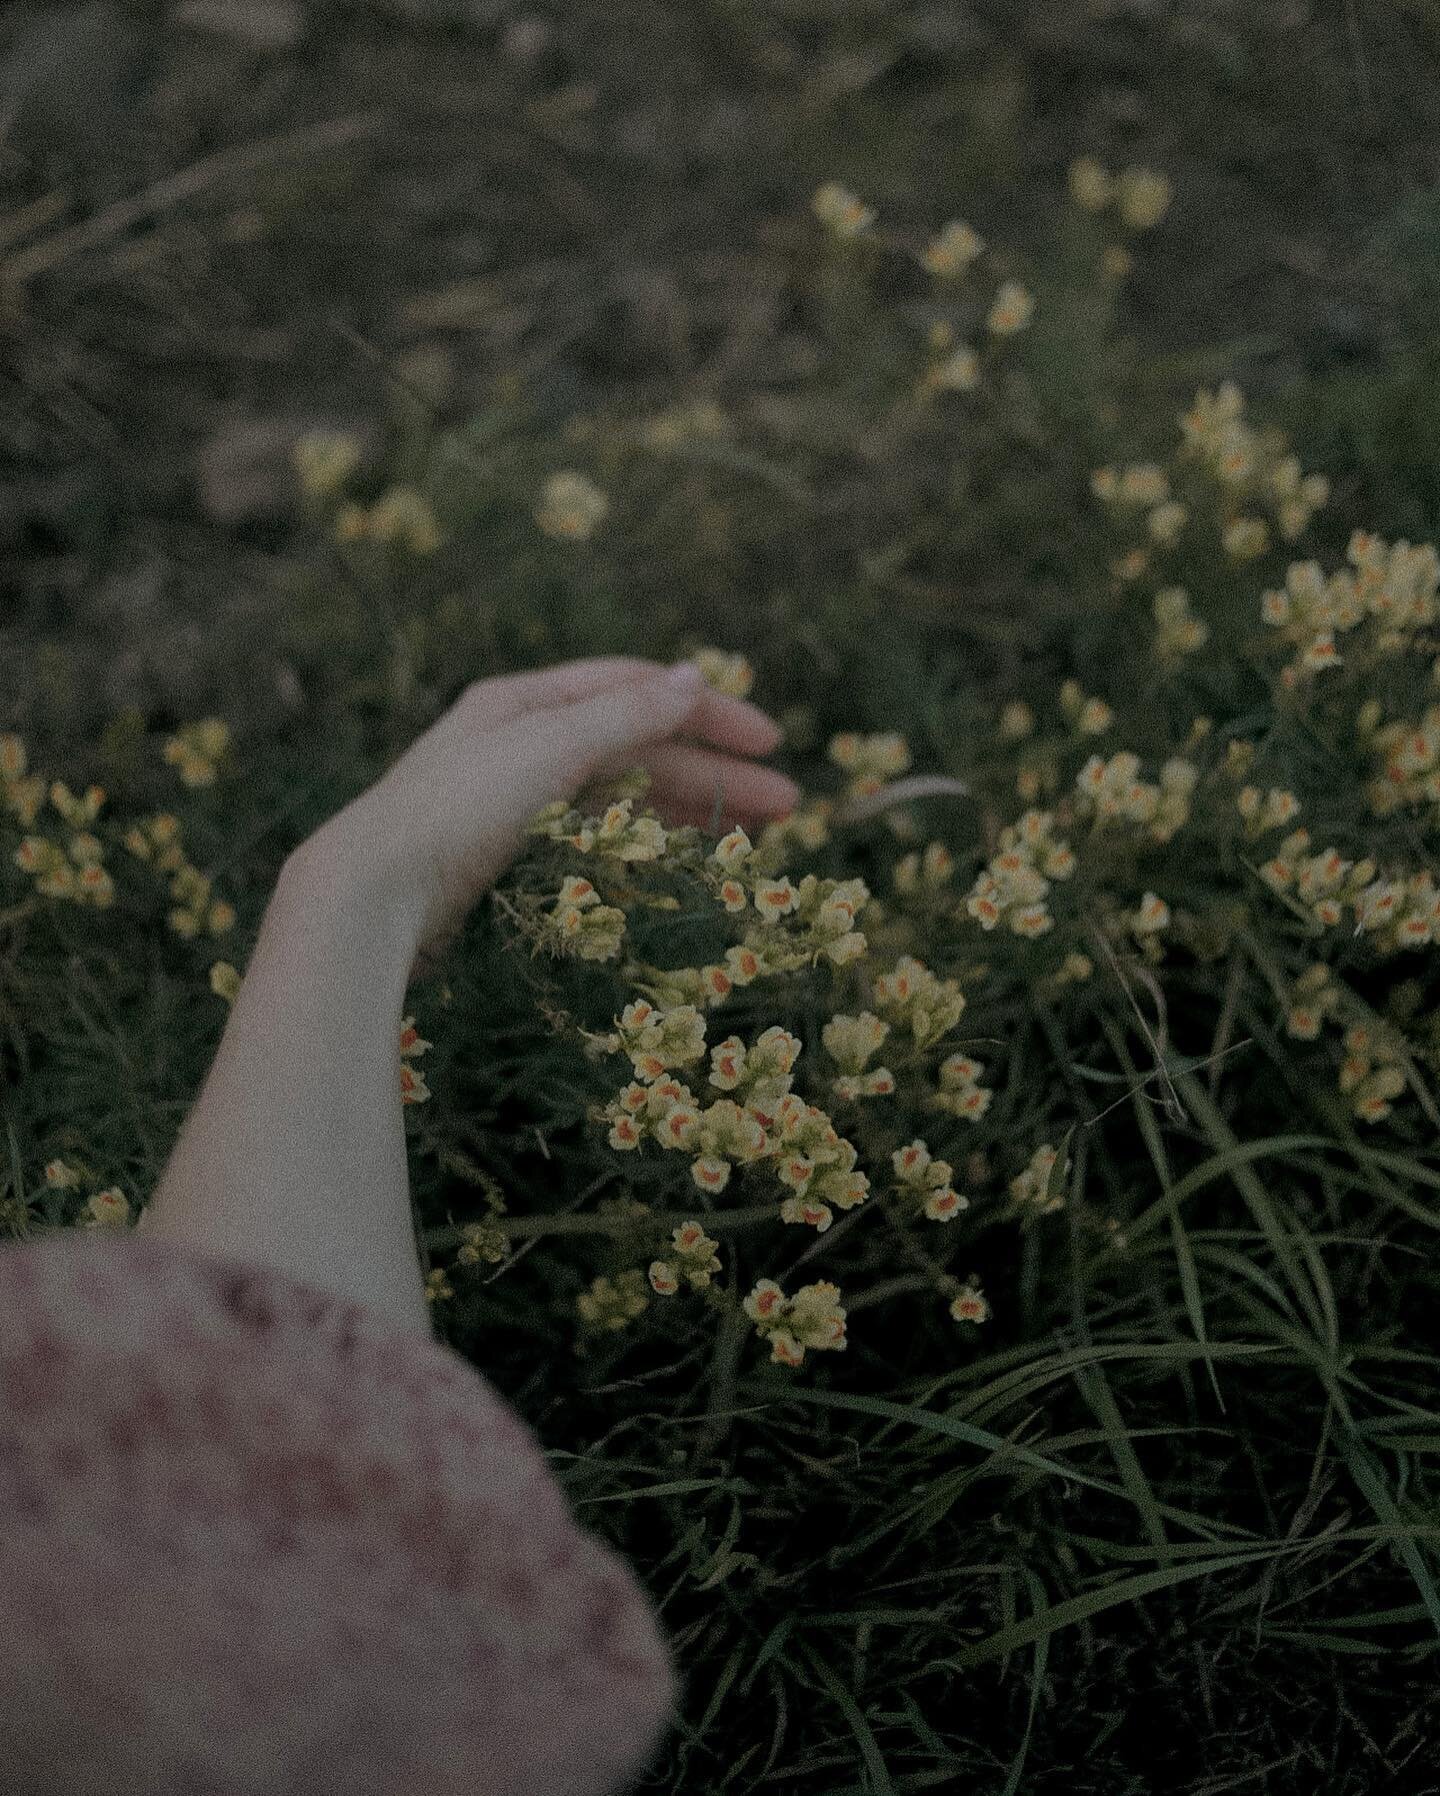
(1170, 1522)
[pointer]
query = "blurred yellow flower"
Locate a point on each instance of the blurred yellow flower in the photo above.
(571, 506)
(1091, 186)
(324, 460)
(1143, 196)
(840, 211)
(952, 252)
(1011, 310)
(225, 981)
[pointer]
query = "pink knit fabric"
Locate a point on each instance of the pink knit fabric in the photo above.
(254, 1539)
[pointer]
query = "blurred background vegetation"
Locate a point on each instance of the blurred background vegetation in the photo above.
(494, 240)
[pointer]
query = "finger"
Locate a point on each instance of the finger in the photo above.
(617, 725)
(727, 722)
(734, 724)
(496, 701)
(696, 784)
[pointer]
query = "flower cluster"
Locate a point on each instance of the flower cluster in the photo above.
(1011, 309)
(758, 1117)
(841, 212)
(413, 1088)
(76, 870)
(108, 1208)
(727, 673)
(1141, 196)
(1039, 1188)
(571, 506)
(402, 518)
(1325, 883)
(960, 1091)
(324, 461)
(852, 1042)
(693, 1258)
(924, 871)
(952, 250)
(1264, 811)
(1409, 754)
(1178, 632)
(21, 793)
(158, 841)
(197, 749)
(578, 923)
(818, 915)
(928, 1181)
(1252, 466)
(611, 1303)
(1313, 998)
(1086, 716)
(869, 761)
(813, 1318)
(1397, 912)
(1372, 1072)
(617, 835)
(1394, 585)
(1015, 885)
(1112, 790)
(955, 367)
(914, 999)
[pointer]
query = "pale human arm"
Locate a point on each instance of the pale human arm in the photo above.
(294, 1154)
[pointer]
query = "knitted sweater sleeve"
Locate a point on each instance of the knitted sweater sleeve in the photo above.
(253, 1538)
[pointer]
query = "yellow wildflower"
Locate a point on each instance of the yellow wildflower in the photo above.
(225, 981)
(731, 674)
(840, 211)
(953, 250)
(571, 506)
(970, 1304)
(108, 1209)
(1143, 197)
(1091, 185)
(1011, 310)
(324, 460)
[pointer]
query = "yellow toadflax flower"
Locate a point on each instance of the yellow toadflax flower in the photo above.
(1011, 310)
(693, 1258)
(813, 1318)
(108, 1209)
(1143, 197)
(225, 981)
(1039, 1187)
(571, 506)
(324, 460)
(197, 750)
(840, 211)
(611, 1303)
(869, 760)
(1091, 186)
(970, 1303)
(730, 674)
(952, 252)
(405, 517)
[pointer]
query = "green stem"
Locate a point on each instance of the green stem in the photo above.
(520, 1228)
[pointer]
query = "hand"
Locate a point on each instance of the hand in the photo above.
(440, 827)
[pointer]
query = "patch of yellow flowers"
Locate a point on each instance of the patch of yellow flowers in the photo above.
(71, 865)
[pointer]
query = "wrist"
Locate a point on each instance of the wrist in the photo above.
(336, 879)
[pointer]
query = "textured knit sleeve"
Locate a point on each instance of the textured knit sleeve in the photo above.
(255, 1539)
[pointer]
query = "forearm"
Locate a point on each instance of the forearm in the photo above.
(294, 1154)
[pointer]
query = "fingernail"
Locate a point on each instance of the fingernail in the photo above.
(685, 676)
